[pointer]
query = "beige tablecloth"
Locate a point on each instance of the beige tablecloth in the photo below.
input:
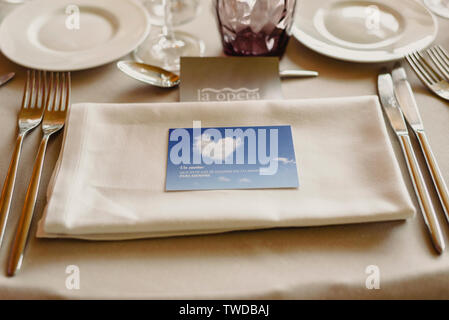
(316, 262)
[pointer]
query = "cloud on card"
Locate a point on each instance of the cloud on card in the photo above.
(216, 150)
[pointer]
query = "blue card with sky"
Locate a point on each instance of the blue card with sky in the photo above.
(258, 157)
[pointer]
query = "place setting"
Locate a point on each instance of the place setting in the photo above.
(229, 144)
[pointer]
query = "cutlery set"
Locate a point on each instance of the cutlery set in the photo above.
(397, 99)
(44, 101)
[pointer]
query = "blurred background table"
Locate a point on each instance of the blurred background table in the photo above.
(310, 263)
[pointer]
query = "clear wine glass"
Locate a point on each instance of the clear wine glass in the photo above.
(439, 7)
(6, 6)
(183, 11)
(166, 48)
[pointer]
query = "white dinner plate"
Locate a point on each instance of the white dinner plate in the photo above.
(46, 35)
(364, 31)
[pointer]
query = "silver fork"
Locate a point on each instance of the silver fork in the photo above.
(428, 75)
(58, 101)
(440, 58)
(30, 116)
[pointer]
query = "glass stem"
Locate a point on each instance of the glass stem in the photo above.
(167, 29)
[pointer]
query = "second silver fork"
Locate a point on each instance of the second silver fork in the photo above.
(58, 100)
(428, 75)
(440, 58)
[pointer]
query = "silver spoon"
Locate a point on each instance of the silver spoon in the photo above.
(6, 77)
(166, 79)
(149, 74)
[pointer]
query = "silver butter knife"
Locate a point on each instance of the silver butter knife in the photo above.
(6, 77)
(407, 102)
(297, 73)
(397, 122)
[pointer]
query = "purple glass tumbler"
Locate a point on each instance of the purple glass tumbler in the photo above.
(255, 27)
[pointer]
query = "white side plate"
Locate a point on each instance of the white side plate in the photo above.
(364, 31)
(45, 34)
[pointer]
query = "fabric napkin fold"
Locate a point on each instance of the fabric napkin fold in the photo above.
(109, 182)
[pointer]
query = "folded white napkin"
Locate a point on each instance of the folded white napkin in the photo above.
(110, 179)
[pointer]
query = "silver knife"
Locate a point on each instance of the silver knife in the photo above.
(407, 102)
(397, 122)
(297, 73)
(6, 77)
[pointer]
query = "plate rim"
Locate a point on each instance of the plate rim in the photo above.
(298, 35)
(77, 66)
